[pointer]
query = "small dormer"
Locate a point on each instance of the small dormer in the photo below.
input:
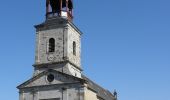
(60, 8)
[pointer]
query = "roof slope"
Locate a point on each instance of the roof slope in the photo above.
(101, 92)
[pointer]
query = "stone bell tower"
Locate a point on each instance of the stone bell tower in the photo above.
(58, 40)
(57, 68)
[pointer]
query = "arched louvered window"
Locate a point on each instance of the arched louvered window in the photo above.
(51, 47)
(74, 48)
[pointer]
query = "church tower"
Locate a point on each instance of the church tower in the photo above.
(57, 68)
(58, 40)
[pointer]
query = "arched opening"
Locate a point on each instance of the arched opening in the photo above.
(62, 8)
(74, 48)
(51, 47)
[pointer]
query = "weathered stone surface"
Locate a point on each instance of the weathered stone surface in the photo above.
(58, 74)
(64, 86)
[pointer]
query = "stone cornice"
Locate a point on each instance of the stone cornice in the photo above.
(51, 85)
(54, 23)
(60, 62)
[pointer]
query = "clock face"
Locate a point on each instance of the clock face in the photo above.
(50, 57)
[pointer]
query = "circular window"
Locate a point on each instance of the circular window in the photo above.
(50, 77)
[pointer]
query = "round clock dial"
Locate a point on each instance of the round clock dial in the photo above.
(50, 57)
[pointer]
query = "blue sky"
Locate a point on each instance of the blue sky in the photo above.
(125, 45)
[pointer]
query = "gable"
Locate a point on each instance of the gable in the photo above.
(42, 79)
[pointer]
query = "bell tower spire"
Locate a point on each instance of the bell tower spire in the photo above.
(61, 8)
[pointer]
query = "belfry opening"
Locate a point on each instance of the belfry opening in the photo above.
(61, 8)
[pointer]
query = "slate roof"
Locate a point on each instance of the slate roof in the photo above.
(101, 92)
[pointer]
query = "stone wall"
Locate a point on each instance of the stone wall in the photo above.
(43, 56)
(71, 92)
(90, 95)
(74, 36)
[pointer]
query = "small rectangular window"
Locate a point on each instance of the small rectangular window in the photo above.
(74, 48)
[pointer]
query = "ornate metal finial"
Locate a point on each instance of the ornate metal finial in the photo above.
(115, 94)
